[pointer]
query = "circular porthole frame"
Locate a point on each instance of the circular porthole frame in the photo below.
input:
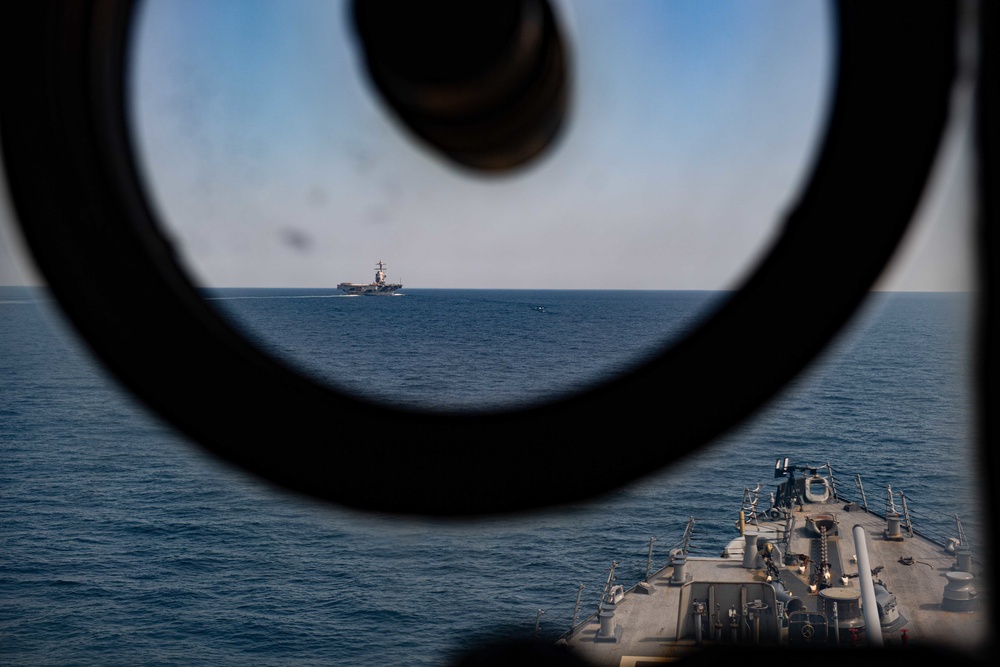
(79, 198)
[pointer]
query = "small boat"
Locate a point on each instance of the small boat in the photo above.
(378, 288)
(809, 569)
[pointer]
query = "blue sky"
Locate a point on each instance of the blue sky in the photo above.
(693, 125)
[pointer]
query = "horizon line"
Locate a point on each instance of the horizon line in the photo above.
(547, 289)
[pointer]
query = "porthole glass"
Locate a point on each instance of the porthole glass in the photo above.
(278, 173)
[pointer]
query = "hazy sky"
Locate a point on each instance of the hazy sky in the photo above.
(693, 125)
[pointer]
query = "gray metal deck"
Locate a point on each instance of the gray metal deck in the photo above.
(648, 621)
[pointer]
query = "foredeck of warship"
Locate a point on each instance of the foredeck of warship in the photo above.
(914, 569)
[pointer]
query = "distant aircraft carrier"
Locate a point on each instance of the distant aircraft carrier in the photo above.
(378, 288)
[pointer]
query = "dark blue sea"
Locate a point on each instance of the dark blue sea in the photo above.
(122, 543)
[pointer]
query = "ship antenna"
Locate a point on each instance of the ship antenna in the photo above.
(607, 586)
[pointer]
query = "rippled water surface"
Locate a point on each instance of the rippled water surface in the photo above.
(121, 543)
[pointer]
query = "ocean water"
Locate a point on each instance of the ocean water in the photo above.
(463, 349)
(122, 543)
